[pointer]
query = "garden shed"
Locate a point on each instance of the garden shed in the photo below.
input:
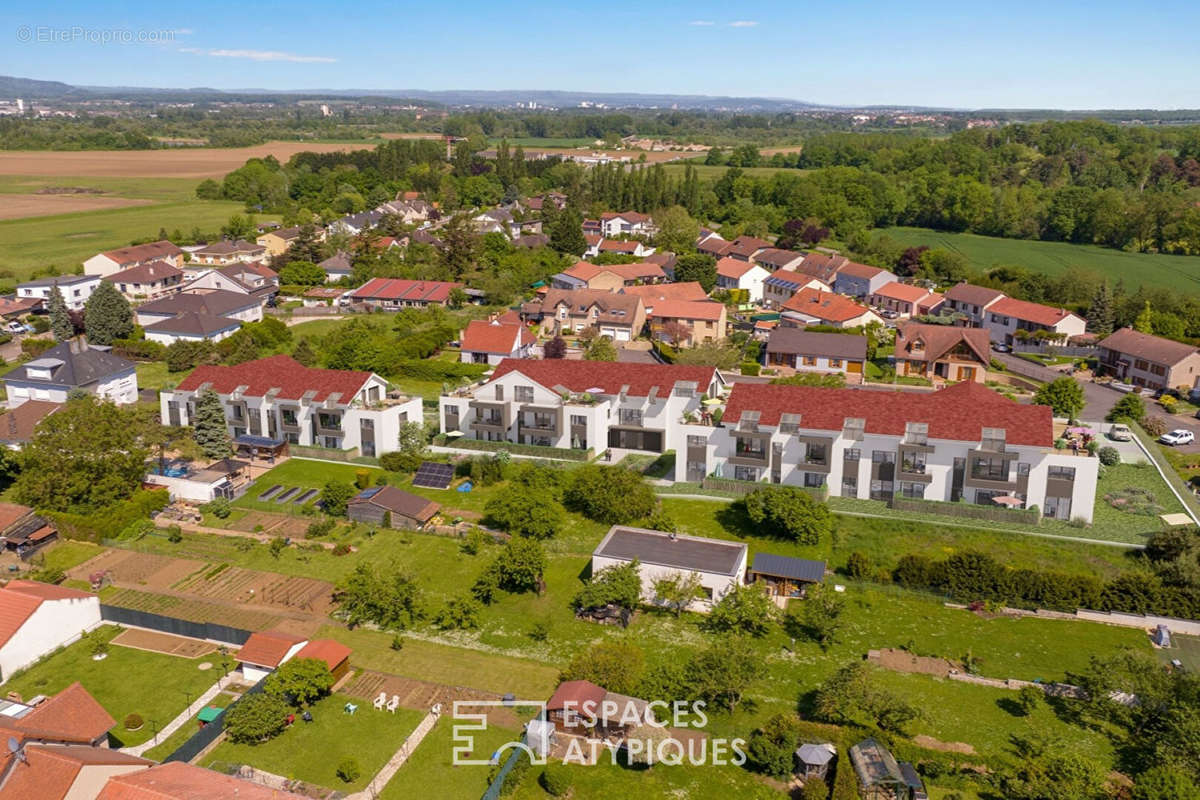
(784, 576)
(879, 776)
(389, 507)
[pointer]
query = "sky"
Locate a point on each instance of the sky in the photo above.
(1020, 54)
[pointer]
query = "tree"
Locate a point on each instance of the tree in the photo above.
(302, 273)
(677, 230)
(1028, 699)
(555, 348)
(460, 245)
(818, 617)
(1064, 396)
(566, 233)
(721, 673)
(211, 429)
(1165, 783)
(771, 749)
(457, 298)
(304, 353)
(744, 609)
(677, 590)
(816, 789)
(523, 512)
(1101, 314)
(613, 495)
(788, 512)
(615, 666)
(82, 458)
(300, 681)
(1046, 772)
(518, 568)
(601, 348)
(334, 497)
(619, 585)
(699, 267)
(849, 696)
(388, 597)
(459, 613)
(1130, 406)
(411, 449)
(107, 315)
(677, 332)
(184, 355)
(60, 319)
(256, 718)
(1144, 323)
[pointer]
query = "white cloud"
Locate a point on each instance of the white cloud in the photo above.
(260, 55)
(701, 23)
(744, 23)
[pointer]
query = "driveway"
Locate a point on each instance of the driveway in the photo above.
(1099, 398)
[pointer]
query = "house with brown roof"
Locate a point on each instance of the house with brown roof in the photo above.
(110, 261)
(688, 290)
(686, 323)
(1008, 317)
(1149, 361)
(971, 301)
(18, 424)
(609, 277)
(822, 266)
(147, 281)
(275, 243)
(196, 315)
(712, 244)
(733, 273)
(814, 307)
(22, 531)
(812, 351)
(490, 341)
(619, 316)
(334, 654)
(265, 651)
(772, 259)
(38, 618)
(64, 772)
(229, 252)
(962, 443)
(944, 352)
(249, 278)
(177, 780)
(389, 507)
(905, 299)
(744, 247)
(860, 280)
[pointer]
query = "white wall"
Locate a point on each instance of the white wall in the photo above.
(75, 296)
(100, 265)
(52, 625)
(719, 585)
(163, 337)
(185, 488)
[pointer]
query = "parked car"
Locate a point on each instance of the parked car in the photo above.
(17, 327)
(1127, 388)
(1120, 433)
(1002, 348)
(1177, 437)
(890, 314)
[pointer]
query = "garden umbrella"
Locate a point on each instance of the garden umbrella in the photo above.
(1007, 500)
(712, 401)
(453, 434)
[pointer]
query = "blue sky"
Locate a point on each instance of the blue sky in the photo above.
(1102, 54)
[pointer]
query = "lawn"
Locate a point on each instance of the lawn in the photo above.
(1119, 525)
(430, 765)
(1054, 258)
(187, 731)
(1185, 649)
(660, 782)
(120, 681)
(311, 751)
(154, 375)
(67, 553)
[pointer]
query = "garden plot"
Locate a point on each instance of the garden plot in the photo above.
(238, 585)
(167, 643)
(273, 524)
(130, 568)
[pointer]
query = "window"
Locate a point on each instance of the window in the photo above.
(1141, 364)
(697, 441)
(912, 489)
(749, 448)
(745, 473)
(578, 420)
(816, 454)
(813, 480)
(500, 392)
(851, 454)
(1058, 508)
(916, 433)
(835, 362)
(913, 463)
(881, 490)
(237, 412)
(992, 439)
(991, 469)
(810, 361)
(523, 394)
(630, 416)
(883, 457)
(849, 486)
(696, 470)
(1061, 473)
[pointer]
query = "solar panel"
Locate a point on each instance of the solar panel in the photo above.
(283, 498)
(433, 475)
(269, 493)
(304, 498)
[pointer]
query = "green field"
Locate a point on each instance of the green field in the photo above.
(707, 172)
(65, 240)
(1054, 258)
(431, 765)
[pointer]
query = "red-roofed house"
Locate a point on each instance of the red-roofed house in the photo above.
(971, 301)
(734, 273)
(265, 651)
(685, 323)
(814, 307)
(177, 780)
(390, 294)
(111, 261)
(279, 400)
(490, 341)
(38, 618)
(609, 277)
(572, 704)
(962, 443)
(904, 299)
(945, 352)
(1008, 315)
(70, 772)
(335, 655)
(744, 248)
(70, 717)
(580, 404)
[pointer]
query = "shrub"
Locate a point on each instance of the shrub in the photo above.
(1155, 426)
(320, 528)
(751, 367)
(1131, 406)
(610, 494)
(397, 461)
(788, 512)
(219, 507)
(461, 613)
(348, 770)
(134, 722)
(1109, 456)
(858, 566)
(362, 478)
(341, 549)
(174, 534)
(555, 780)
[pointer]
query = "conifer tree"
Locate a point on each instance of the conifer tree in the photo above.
(107, 315)
(60, 319)
(211, 430)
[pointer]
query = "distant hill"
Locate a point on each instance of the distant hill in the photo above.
(28, 87)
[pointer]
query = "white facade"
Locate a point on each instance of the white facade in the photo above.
(75, 289)
(751, 280)
(121, 389)
(1002, 328)
(614, 227)
(253, 673)
(170, 337)
(53, 624)
(101, 265)
(253, 312)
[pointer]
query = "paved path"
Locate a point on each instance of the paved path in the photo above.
(394, 764)
(1100, 399)
(183, 717)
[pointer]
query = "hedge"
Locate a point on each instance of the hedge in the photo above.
(435, 370)
(350, 456)
(110, 521)
(561, 453)
(741, 488)
(1018, 516)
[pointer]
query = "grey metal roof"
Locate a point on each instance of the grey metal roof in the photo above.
(815, 754)
(798, 341)
(672, 550)
(81, 366)
(909, 773)
(217, 303)
(799, 569)
(60, 280)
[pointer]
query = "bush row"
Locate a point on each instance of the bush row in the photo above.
(110, 521)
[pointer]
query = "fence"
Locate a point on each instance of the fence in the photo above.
(209, 733)
(742, 488)
(1041, 348)
(496, 788)
(1018, 516)
(350, 456)
(179, 627)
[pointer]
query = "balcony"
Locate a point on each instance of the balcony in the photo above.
(746, 454)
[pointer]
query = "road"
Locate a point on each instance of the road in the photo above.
(1100, 399)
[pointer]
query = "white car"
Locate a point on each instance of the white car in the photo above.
(1177, 437)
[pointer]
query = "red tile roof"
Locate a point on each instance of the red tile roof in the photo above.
(585, 270)
(735, 268)
(619, 246)
(179, 781)
(686, 309)
(281, 372)
(49, 772)
(576, 693)
(905, 292)
(401, 289)
(72, 715)
(481, 336)
(19, 305)
(267, 648)
(689, 290)
(628, 216)
(746, 246)
(825, 306)
(1036, 313)
(15, 609)
(143, 252)
(609, 376)
(46, 591)
(12, 512)
(327, 650)
(959, 412)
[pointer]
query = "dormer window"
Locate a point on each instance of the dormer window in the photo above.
(993, 439)
(789, 423)
(748, 421)
(853, 428)
(917, 346)
(916, 433)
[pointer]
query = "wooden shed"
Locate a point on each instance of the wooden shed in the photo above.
(335, 655)
(389, 507)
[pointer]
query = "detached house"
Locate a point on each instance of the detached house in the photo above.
(962, 443)
(735, 274)
(860, 280)
(971, 301)
(626, 223)
(812, 351)
(274, 401)
(624, 247)
(1149, 361)
(391, 294)
(276, 242)
(229, 252)
(687, 323)
(107, 263)
(688, 290)
(354, 224)
(1007, 316)
(492, 341)
(772, 259)
(814, 307)
(38, 618)
(609, 277)
(905, 299)
(781, 286)
(581, 404)
(193, 316)
(712, 244)
(942, 351)
(75, 289)
(73, 365)
(822, 266)
(147, 281)
(250, 278)
(744, 248)
(621, 317)
(337, 266)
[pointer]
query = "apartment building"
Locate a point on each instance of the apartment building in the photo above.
(281, 400)
(581, 404)
(75, 289)
(962, 443)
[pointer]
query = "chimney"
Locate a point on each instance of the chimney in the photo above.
(12, 423)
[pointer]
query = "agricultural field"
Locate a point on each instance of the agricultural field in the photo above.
(1181, 273)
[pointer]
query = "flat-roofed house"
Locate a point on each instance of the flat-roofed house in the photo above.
(1008, 316)
(110, 261)
(75, 289)
(814, 307)
(1149, 361)
(719, 565)
(735, 274)
(812, 351)
(942, 352)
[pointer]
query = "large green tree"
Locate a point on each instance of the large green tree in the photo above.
(566, 233)
(60, 318)
(386, 596)
(699, 267)
(613, 495)
(212, 431)
(1101, 313)
(615, 666)
(677, 230)
(1064, 396)
(256, 718)
(84, 457)
(743, 609)
(523, 512)
(107, 315)
(300, 681)
(789, 512)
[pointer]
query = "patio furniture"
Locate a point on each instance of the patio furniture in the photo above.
(394, 703)
(307, 716)
(380, 701)
(350, 708)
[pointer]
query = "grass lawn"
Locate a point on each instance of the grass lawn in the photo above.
(176, 739)
(154, 375)
(67, 553)
(1185, 649)
(430, 765)
(311, 751)
(660, 782)
(120, 682)
(1119, 525)
(1054, 258)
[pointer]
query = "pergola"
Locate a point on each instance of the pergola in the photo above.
(260, 447)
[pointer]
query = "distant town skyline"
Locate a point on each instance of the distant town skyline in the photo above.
(1068, 55)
